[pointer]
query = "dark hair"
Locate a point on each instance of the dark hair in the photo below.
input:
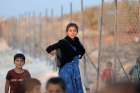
(29, 84)
(71, 25)
(19, 55)
(56, 81)
(121, 87)
(110, 63)
(138, 60)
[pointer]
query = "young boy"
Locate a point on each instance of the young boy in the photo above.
(16, 76)
(107, 74)
(56, 85)
(32, 86)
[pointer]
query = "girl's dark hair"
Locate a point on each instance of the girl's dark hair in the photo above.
(57, 81)
(72, 25)
(19, 55)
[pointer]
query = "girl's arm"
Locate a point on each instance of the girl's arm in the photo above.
(53, 47)
(7, 85)
(81, 49)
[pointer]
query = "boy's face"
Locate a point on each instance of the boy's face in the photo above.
(54, 88)
(19, 63)
(109, 65)
(72, 32)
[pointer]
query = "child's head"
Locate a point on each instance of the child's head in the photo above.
(56, 85)
(19, 60)
(109, 64)
(120, 87)
(72, 30)
(32, 86)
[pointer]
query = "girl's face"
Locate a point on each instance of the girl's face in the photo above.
(109, 65)
(72, 32)
(54, 88)
(19, 63)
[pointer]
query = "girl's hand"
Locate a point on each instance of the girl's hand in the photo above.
(52, 53)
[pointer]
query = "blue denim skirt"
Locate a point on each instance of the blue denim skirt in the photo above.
(70, 72)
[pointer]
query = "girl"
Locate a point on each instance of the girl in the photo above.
(71, 50)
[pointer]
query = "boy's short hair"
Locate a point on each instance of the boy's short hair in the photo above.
(29, 84)
(110, 63)
(19, 55)
(56, 81)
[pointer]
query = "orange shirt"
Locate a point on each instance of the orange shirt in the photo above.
(107, 74)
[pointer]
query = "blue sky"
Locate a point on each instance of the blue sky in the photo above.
(22, 7)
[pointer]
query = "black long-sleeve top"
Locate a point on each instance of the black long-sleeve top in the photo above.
(69, 49)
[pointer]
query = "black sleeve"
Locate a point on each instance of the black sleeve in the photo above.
(53, 47)
(82, 50)
(80, 47)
